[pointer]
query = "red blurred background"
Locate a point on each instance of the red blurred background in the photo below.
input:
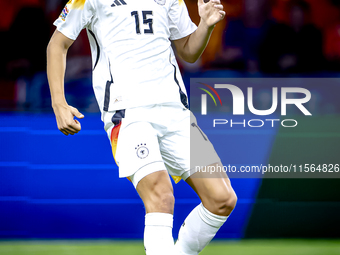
(259, 37)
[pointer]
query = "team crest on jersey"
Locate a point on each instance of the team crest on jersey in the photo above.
(160, 2)
(142, 150)
(64, 13)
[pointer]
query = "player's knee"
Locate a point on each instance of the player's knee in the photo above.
(224, 204)
(166, 201)
(229, 204)
(162, 201)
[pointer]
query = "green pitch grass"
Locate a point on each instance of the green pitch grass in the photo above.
(244, 247)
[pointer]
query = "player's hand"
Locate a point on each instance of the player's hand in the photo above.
(211, 12)
(65, 119)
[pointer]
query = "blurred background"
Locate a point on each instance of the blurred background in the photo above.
(262, 38)
(57, 187)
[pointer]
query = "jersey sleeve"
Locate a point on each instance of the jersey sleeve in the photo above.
(74, 18)
(180, 24)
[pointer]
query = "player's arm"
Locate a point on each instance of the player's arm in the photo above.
(56, 65)
(191, 47)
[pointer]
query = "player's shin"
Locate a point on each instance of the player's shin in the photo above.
(198, 229)
(158, 234)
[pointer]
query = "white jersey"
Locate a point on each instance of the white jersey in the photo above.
(133, 62)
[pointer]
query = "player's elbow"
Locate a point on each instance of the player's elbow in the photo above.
(190, 58)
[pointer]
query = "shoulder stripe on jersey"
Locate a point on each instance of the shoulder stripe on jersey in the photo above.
(98, 48)
(118, 2)
(107, 91)
(184, 98)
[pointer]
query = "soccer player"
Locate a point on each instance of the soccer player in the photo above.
(144, 107)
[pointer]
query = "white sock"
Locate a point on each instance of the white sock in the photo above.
(197, 231)
(158, 238)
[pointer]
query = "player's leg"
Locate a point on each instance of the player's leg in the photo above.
(156, 192)
(184, 149)
(136, 150)
(214, 190)
(218, 200)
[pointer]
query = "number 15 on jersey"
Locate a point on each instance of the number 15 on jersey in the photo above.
(146, 21)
